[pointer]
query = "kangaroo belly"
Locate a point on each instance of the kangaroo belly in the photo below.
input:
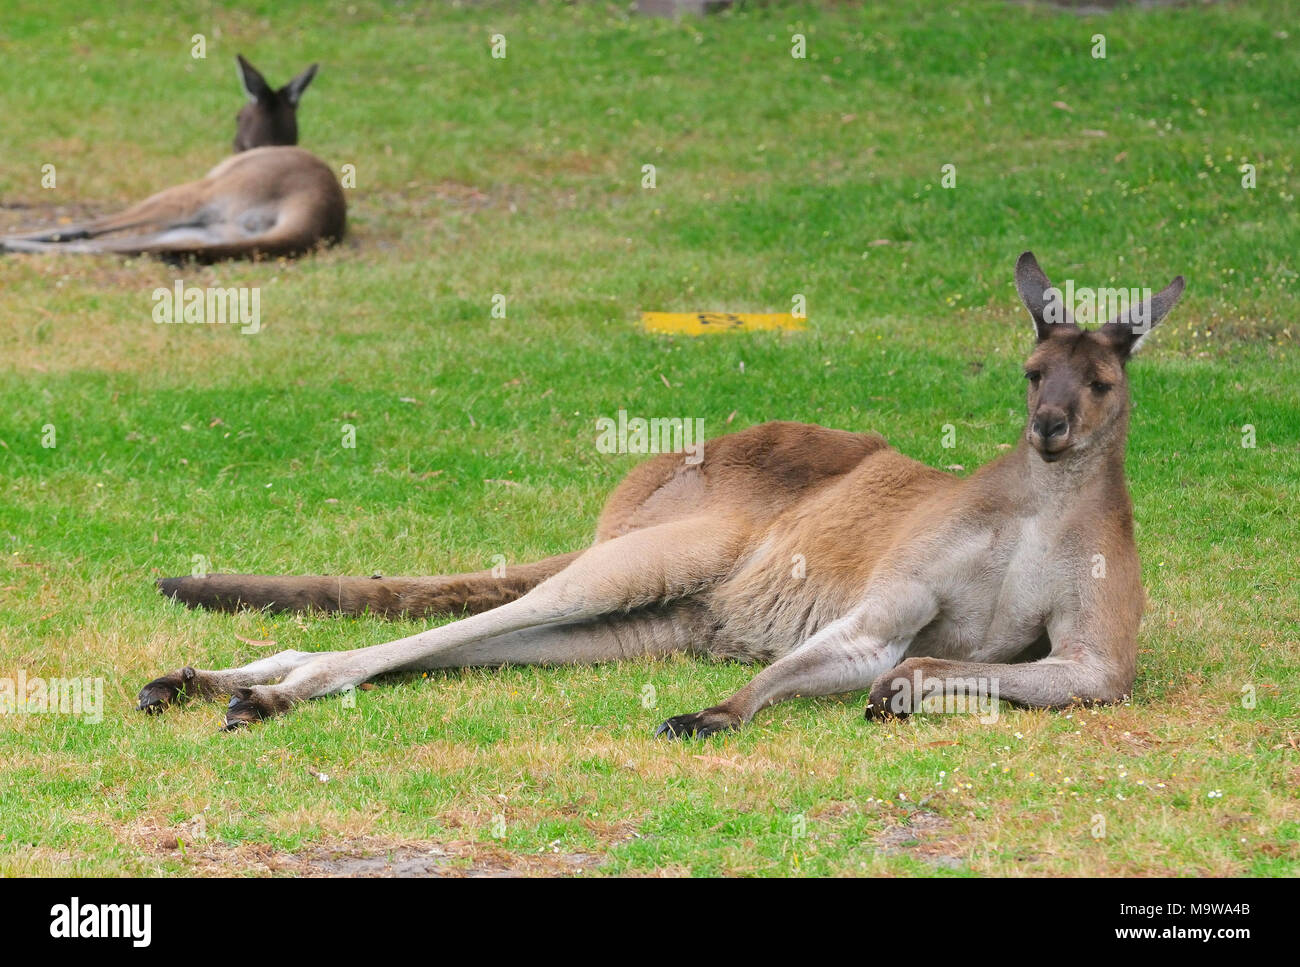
(773, 606)
(815, 562)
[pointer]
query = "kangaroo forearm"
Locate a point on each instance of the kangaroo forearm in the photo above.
(1049, 683)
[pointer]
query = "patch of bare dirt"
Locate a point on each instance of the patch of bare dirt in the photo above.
(370, 857)
(926, 837)
(433, 860)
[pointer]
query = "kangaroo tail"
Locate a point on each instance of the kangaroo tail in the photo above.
(412, 597)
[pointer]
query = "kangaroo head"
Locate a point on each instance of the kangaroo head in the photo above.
(1078, 388)
(270, 117)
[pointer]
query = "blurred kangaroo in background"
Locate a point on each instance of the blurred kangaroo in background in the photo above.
(827, 553)
(268, 199)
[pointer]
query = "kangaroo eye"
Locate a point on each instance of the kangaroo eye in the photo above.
(1033, 376)
(1100, 387)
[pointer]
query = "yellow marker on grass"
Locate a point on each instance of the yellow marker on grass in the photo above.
(698, 323)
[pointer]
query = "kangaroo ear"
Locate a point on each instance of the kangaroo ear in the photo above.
(293, 90)
(1044, 302)
(255, 85)
(1127, 330)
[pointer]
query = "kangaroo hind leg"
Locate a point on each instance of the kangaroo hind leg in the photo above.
(618, 638)
(642, 571)
(172, 207)
(190, 683)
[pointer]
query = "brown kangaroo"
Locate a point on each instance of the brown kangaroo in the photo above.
(268, 199)
(843, 563)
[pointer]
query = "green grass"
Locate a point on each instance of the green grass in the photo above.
(522, 176)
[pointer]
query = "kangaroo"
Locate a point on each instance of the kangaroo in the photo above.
(269, 199)
(909, 573)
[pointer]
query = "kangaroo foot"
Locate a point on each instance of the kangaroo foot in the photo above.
(249, 705)
(700, 725)
(180, 686)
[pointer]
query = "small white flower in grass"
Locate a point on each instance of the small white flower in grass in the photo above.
(1214, 794)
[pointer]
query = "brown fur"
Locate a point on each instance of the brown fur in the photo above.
(269, 199)
(843, 562)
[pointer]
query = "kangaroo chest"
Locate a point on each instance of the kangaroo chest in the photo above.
(997, 588)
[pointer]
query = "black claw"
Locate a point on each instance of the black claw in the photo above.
(879, 711)
(242, 710)
(700, 725)
(884, 705)
(152, 699)
(678, 727)
(666, 728)
(161, 692)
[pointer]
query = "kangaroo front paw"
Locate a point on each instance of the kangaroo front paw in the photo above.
(179, 686)
(891, 695)
(700, 725)
(249, 705)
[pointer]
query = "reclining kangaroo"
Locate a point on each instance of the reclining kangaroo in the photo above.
(268, 199)
(907, 569)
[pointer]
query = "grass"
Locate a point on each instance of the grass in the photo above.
(522, 176)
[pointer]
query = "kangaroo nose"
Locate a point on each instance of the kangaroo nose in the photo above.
(1051, 426)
